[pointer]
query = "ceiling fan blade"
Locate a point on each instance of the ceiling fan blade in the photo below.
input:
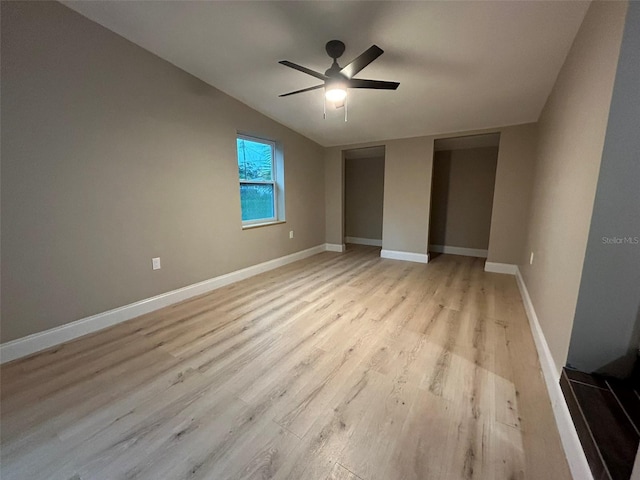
(306, 70)
(300, 91)
(375, 84)
(362, 61)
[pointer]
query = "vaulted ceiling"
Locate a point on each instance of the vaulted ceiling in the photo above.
(462, 65)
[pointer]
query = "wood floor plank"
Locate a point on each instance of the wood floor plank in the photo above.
(300, 411)
(341, 473)
(424, 447)
(339, 366)
(331, 433)
(261, 456)
(370, 446)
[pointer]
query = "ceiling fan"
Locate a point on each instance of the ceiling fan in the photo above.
(337, 79)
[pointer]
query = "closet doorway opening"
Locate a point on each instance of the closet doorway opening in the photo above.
(363, 195)
(462, 186)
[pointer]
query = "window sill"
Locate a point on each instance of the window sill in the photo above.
(259, 225)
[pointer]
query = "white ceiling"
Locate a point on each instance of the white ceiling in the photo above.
(462, 65)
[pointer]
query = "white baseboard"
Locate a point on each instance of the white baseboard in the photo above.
(507, 268)
(374, 242)
(570, 442)
(22, 347)
(335, 247)
(635, 473)
(468, 252)
(406, 256)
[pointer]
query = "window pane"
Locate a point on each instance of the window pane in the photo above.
(257, 201)
(255, 161)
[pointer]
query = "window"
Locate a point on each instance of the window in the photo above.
(260, 185)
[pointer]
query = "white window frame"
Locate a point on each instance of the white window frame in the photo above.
(276, 184)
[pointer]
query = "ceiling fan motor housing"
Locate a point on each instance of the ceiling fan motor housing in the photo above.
(334, 48)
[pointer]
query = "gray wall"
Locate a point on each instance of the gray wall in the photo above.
(112, 156)
(462, 197)
(571, 133)
(605, 329)
(363, 197)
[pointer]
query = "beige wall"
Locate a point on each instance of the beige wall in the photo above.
(334, 195)
(407, 190)
(112, 156)
(571, 137)
(512, 194)
(408, 170)
(363, 197)
(462, 197)
(408, 180)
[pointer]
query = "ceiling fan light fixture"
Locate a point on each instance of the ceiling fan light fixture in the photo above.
(335, 93)
(338, 79)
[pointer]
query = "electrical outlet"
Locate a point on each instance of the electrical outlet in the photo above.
(155, 263)
(290, 233)
(531, 259)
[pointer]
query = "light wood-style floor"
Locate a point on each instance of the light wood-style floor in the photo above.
(341, 366)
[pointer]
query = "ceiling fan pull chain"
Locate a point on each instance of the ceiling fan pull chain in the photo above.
(324, 107)
(346, 108)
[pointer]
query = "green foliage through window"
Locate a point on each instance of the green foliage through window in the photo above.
(257, 201)
(257, 179)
